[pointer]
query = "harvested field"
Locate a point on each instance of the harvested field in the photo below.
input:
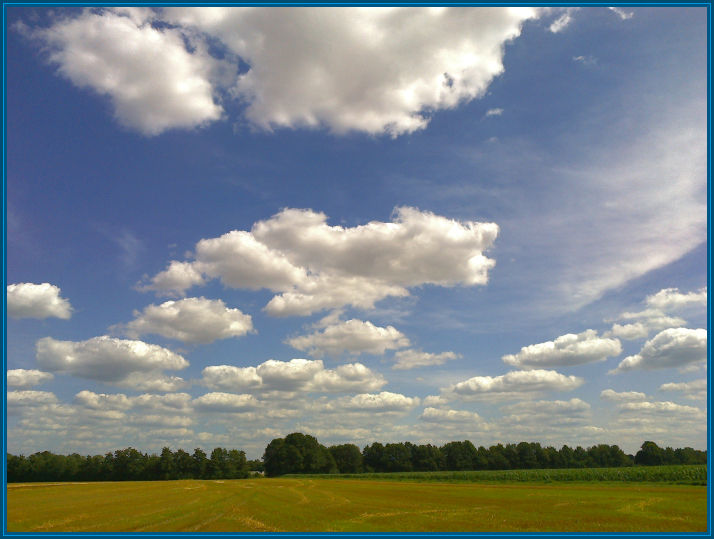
(349, 505)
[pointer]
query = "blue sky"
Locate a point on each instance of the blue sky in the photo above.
(366, 224)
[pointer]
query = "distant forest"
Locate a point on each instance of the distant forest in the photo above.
(299, 453)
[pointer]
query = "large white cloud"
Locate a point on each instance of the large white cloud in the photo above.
(153, 82)
(370, 69)
(191, 320)
(107, 359)
(28, 300)
(410, 359)
(296, 375)
(512, 386)
(353, 336)
(317, 266)
(568, 350)
(24, 379)
(674, 347)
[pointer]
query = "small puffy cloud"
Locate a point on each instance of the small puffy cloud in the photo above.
(225, 403)
(28, 300)
(297, 375)
(435, 415)
(674, 347)
(623, 396)
(353, 336)
(30, 398)
(494, 112)
(102, 401)
(561, 23)
(434, 400)
(313, 266)
(629, 332)
(410, 359)
(384, 402)
(671, 299)
(153, 82)
(511, 386)
(575, 408)
(566, 351)
(191, 320)
(696, 389)
(24, 379)
(106, 359)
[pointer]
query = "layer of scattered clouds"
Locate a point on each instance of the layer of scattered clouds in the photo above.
(565, 351)
(674, 347)
(411, 359)
(555, 413)
(28, 300)
(654, 317)
(294, 376)
(190, 320)
(511, 386)
(352, 336)
(225, 403)
(437, 415)
(315, 266)
(25, 379)
(378, 70)
(109, 360)
(697, 389)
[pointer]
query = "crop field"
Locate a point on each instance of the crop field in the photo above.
(688, 475)
(351, 505)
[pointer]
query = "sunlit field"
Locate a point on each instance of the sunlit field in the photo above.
(354, 505)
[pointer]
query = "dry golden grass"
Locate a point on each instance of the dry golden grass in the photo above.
(315, 505)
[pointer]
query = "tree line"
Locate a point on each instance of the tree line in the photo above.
(128, 465)
(299, 453)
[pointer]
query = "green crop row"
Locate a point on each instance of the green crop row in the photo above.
(696, 474)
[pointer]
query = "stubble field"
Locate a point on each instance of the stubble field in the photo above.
(353, 505)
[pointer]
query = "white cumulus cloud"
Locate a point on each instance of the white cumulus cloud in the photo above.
(315, 266)
(191, 320)
(107, 359)
(511, 386)
(568, 350)
(674, 347)
(622, 396)
(24, 379)
(671, 299)
(384, 402)
(353, 336)
(30, 398)
(225, 402)
(696, 389)
(296, 375)
(28, 300)
(153, 82)
(410, 359)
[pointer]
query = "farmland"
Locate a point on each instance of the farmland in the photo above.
(341, 504)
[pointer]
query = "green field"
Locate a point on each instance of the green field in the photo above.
(352, 505)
